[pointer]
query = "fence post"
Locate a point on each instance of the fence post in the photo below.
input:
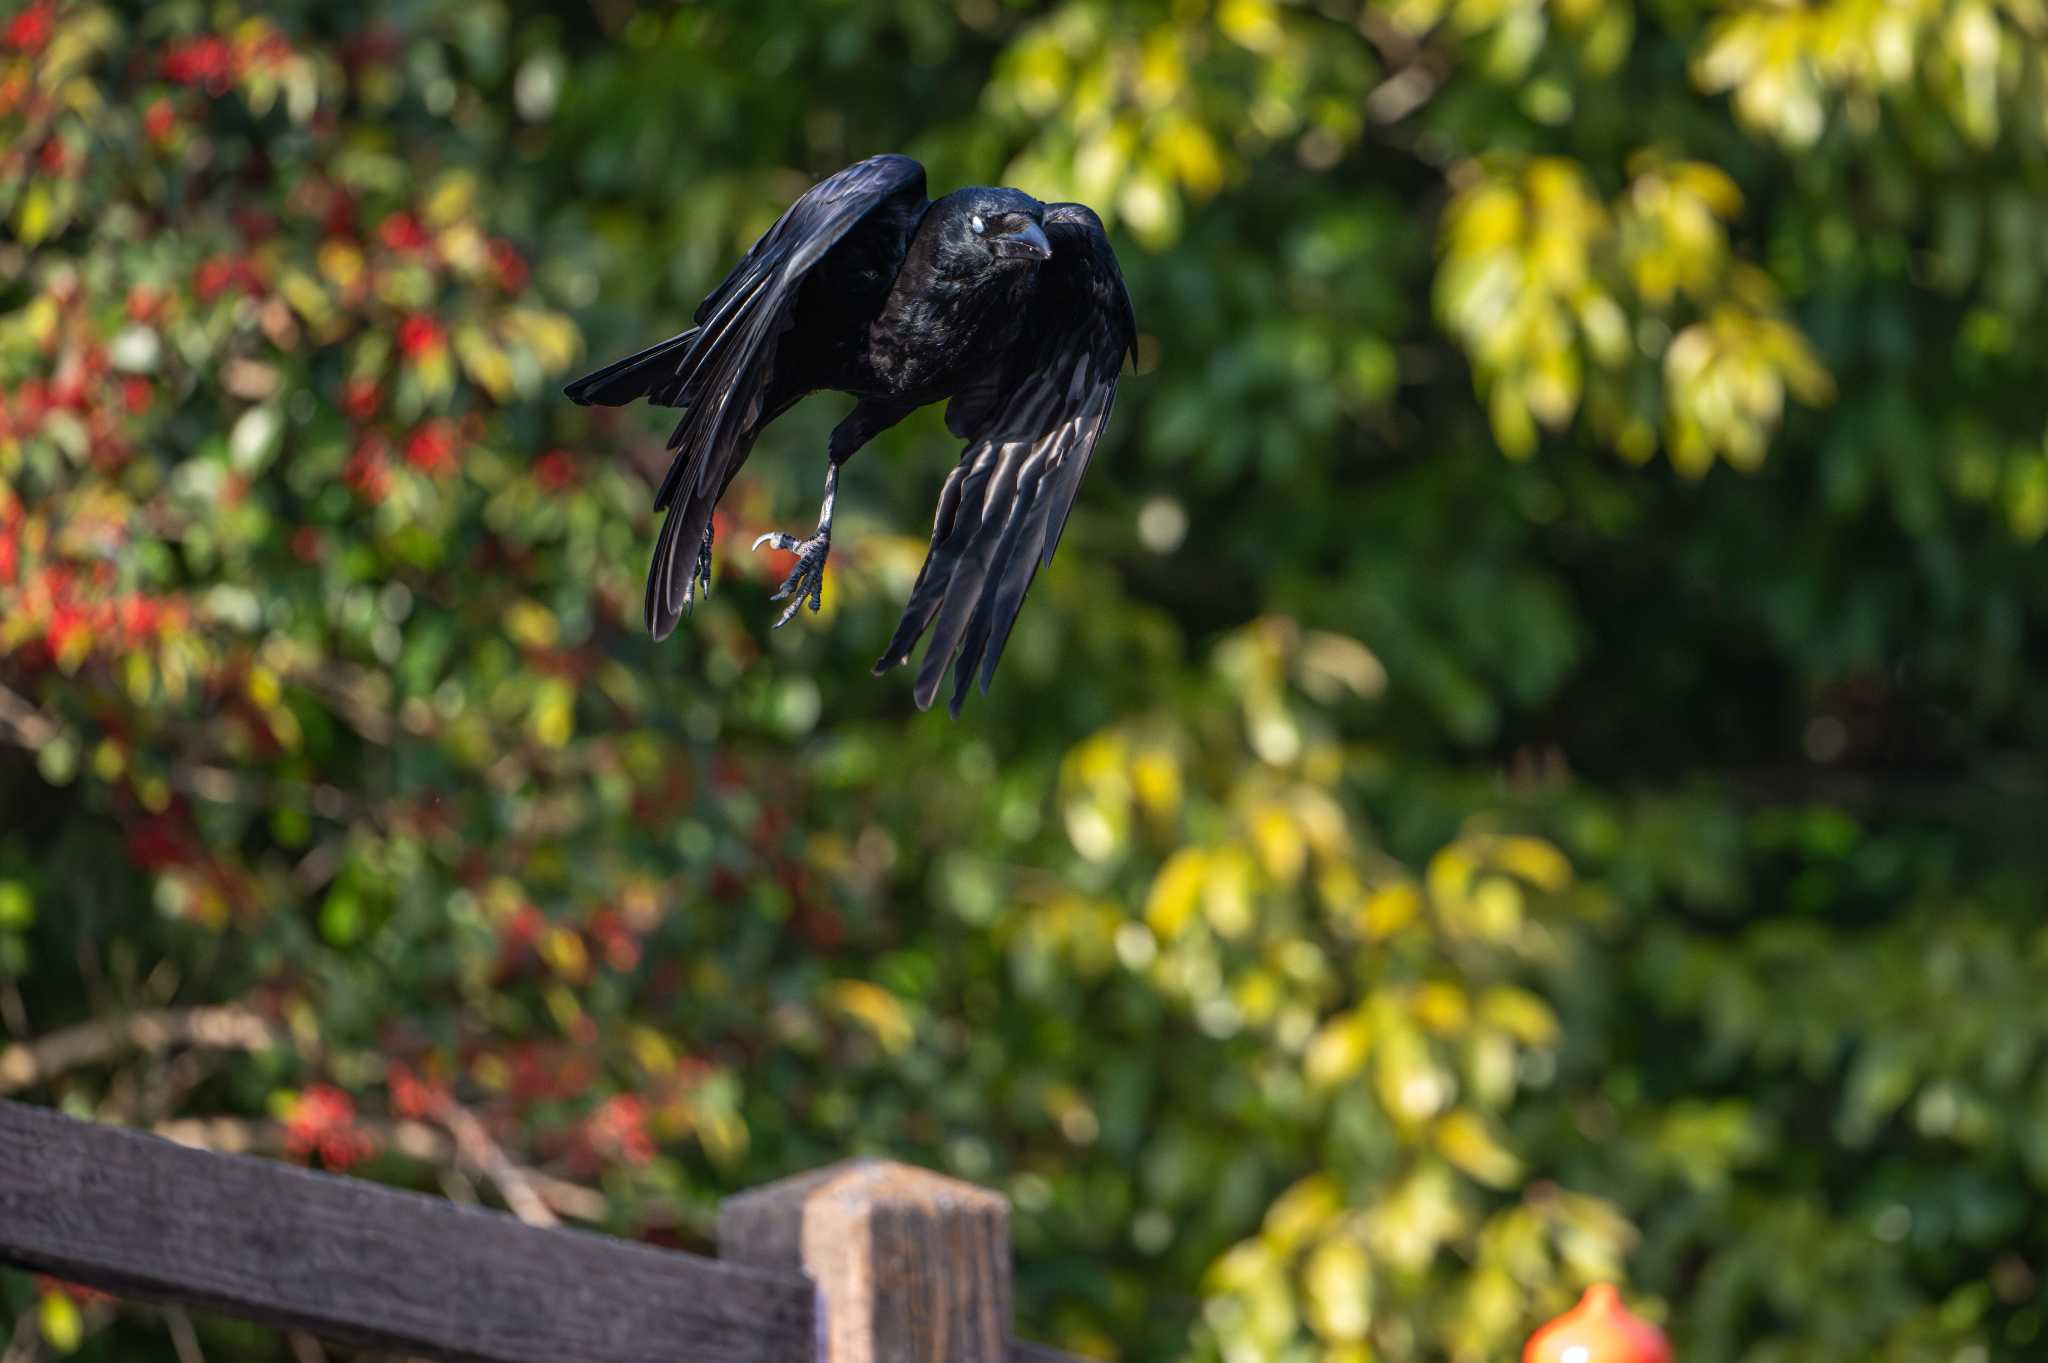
(910, 1266)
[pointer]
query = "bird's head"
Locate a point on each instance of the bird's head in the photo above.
(986, 229)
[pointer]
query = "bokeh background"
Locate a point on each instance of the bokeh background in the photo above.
(1527, 768)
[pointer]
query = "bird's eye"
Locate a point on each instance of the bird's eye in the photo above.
(978, 225)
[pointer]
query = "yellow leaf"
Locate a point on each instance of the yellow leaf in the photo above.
(1496, 909)
(436, 373)
(876, 1009)
(1281, 847)
(1441, 1007)
(551, 336)
(1329, 660)
(1227, 893)
(462, 246)
(1521, 1014)
(1302, 1211)
(1338, 1282)
(1450, 874)
(1338, 1049)
(652, 1050)
(263, 686)
(563, 950)
(1390, 910)
(723, 1135)
(483, 361)
(453, 196)
(1175, 891)
(552, 719)
(1192, 153)
(1253, 24)
(1155, 779)
(1409, 1083)
(531, 624)
(32, 219)
(63, 1327)
(307, 298)
(563, 1007)
(341, 262)
(1462, 1138)
(1535, 861)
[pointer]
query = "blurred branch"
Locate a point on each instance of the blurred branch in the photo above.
(305, 1348)
(21, 1346)
(320, 865)
(475, 1146)
(228, 1028)
(354, 694)
(217, 785)
(533, 1197)
(542, 1195)
(23, 721)
(172, 1086)
(183, 1338)
(1417, 70)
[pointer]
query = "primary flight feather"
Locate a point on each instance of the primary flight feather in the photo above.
(1011, 310)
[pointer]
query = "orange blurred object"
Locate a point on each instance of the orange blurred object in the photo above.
(1598, 1330)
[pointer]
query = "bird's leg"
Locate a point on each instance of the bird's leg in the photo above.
(870, 417)
(807, 579)
(700, 573)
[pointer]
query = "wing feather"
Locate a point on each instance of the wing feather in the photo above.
(734, 354)
(1030, 437)
(721, 368)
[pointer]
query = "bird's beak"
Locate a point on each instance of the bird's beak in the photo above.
(1030, 243)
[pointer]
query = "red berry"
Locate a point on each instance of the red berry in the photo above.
(159, 119)
(368, 471)
(432, 448)
(555, 470)
(213, 277)
(402, 232)
(206, 61)
(31, 28)
(508, 266)
(359, 398)
(418, 335)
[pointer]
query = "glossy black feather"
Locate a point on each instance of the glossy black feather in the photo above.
(1030, 438)
(865, 287)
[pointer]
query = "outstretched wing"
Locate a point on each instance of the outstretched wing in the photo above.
(1029, 437)
(721, 368)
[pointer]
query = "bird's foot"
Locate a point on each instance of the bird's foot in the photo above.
(807, 579)
(700, 573)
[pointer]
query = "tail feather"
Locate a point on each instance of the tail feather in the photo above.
(659, 373)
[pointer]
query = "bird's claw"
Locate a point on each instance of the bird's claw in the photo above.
(806, 581)
(700, 573)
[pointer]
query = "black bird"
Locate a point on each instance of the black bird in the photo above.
(1013, 310)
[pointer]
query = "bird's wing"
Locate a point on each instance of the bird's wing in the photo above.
(724, 367)
(1029, 439)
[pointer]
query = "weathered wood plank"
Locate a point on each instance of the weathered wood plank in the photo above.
(369, 1265)
(911, 1266)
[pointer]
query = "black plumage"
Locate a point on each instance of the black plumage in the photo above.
(1013, 310)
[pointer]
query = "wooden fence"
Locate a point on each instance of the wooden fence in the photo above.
(863, 1262)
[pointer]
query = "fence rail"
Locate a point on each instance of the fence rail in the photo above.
(863, 1262)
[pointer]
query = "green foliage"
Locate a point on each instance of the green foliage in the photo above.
(1526, 770)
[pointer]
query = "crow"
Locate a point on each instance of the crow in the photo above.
(1012, 311)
